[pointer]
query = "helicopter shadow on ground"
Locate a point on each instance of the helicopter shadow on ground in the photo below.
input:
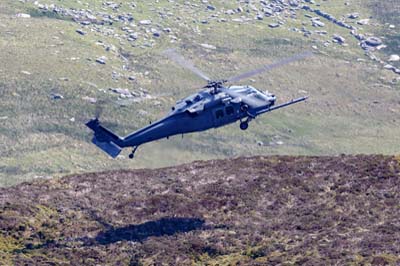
(140, 232)
(136, 233)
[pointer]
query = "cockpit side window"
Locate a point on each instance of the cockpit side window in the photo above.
(219, 113)
(229, 110)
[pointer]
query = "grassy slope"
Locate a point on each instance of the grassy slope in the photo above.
(246, 211)
(37, 137)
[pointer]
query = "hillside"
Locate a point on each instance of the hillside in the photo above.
(276, 210)
(61, 59)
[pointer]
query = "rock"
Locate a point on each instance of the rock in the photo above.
(279, 142)
(363, 22)
(394, 58)
(317, 23)
(132, 78)
(89, 99)
(339, 39)
(155, 32)
(389, 67)
(56, 96)
(354, 15)
(237, 20)
(101, 60)
(121, 92)
(210, 7)
(26, 72)
(273, 25)
(260, 143)
(373, 41)
(268, 12)
(145, 22)
(133, 36)
(22, 15)
(208, 46)
(81, 32)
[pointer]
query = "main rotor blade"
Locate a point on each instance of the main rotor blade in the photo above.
(179, 59)
(269, 67)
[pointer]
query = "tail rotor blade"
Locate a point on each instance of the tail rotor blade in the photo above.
(270, 67)
(179, 59)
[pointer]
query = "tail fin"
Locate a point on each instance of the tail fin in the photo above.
(104, 138)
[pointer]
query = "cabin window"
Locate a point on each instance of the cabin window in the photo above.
(229, 110)
(219, 113)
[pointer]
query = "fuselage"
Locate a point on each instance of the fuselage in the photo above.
(203, 111)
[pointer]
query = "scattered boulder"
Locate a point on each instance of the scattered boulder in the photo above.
(101, 60)
(338, 39)
(22, 15)
(317, 23)
(208, 46)
(388, 67)
(81, 32)
(273, 25)
(145, 22)
(89, 99)
(155, 32)
(26, 72)
(373, 41)
(56, 96)
(122, 92)
(354, 15)
(294, 3)
(363, 22)
(210, 7)
(394, 58)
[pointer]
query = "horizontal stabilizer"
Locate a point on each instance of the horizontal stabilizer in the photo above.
(109, 147)
(104, 138)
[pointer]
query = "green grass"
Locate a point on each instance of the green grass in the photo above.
(38, 138)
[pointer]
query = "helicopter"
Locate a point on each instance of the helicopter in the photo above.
(215, 105)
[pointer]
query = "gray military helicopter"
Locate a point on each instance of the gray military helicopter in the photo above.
(214, 106)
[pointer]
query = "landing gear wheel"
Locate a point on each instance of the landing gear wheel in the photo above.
(133, 153)
(244, 125)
